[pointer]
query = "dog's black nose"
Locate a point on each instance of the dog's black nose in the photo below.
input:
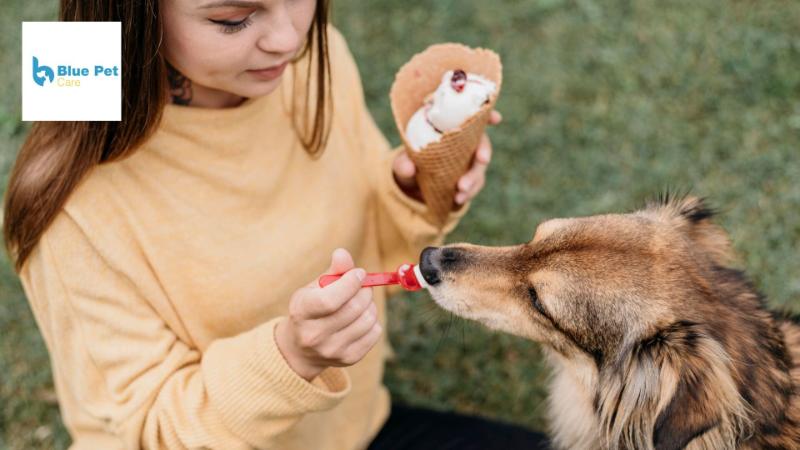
(429, 265)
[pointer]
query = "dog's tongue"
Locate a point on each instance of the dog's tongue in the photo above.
(408, 276)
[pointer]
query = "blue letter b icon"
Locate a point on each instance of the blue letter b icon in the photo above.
(48, 72)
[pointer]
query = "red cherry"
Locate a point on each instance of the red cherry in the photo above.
(458, 80)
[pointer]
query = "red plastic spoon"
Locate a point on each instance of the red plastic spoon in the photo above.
(407, 275)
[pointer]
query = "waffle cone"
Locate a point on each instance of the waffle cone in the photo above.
(441, 164)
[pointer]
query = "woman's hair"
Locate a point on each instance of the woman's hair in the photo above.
(56, 155)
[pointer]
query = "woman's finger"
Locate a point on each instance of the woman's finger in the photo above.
(472, 182)
(349, 312)
(484, 153)
(358, 328)
(359, 348)
(322, 302)
(404, 171)
(475, 185)
(476, 188)
(495, 117)
(479, 164)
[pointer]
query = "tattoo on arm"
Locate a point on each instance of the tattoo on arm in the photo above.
(180, 87)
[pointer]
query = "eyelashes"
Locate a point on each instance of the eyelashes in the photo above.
(228, 27)
(534, 298)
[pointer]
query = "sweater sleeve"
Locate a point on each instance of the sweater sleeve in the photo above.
(136, 377)
(403, 225)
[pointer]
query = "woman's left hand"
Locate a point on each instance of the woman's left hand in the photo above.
(468, 185)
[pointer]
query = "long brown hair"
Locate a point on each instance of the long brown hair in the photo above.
(57, 155)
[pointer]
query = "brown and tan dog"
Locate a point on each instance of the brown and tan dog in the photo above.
(654, 340)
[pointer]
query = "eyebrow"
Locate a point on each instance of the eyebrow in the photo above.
(234, 3)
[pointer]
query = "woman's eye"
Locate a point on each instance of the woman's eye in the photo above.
(231, 26)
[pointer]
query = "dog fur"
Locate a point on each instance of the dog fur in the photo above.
(655, 341)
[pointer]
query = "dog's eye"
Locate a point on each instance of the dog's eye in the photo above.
(534, 296)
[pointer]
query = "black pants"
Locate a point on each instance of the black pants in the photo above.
(424, 429)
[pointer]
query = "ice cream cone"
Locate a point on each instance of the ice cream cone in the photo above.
(441, 164)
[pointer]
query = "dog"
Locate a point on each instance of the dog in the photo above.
(654, 339)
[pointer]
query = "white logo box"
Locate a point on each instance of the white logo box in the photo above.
(78, 71)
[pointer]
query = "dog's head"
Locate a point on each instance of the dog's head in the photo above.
(632, 292)
(586, 284)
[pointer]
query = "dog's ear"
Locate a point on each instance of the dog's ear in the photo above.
(688, 415)
(547, 228)
(705, 396)
(695, 218)
(669, 390)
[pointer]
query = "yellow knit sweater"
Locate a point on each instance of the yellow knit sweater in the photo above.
(158, 287)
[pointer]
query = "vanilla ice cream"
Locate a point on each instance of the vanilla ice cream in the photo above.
(459, 96)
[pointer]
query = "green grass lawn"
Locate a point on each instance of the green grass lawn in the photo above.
(605, 104)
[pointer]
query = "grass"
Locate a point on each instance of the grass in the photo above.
(605, 104)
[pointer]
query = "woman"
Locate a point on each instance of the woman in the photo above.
(170, 259)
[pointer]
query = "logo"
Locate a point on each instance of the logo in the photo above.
(75, 73)
(37, 69)
(71, 71)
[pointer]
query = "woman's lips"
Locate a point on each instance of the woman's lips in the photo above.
(269, 73)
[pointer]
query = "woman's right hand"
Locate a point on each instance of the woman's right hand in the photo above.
(332, 326)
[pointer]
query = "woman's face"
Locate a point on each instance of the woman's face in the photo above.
(231, 49)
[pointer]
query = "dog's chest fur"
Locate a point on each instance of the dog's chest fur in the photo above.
(573, 421)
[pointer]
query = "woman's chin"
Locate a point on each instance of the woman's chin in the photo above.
(258, 88)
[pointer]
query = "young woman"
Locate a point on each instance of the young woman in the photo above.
(171, 259)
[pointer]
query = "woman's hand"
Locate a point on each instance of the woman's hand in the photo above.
(468, 185)
(332, 326)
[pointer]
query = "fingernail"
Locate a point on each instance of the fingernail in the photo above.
(459, 198)
(484, 155)
(361, 274)
(466, 184)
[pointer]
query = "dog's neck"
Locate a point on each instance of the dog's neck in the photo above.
(742, 391)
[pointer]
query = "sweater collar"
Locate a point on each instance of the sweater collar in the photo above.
(175, 117)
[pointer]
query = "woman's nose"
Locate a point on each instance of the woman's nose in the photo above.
(280, 35)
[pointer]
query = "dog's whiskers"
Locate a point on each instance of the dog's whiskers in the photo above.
(446, 331)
